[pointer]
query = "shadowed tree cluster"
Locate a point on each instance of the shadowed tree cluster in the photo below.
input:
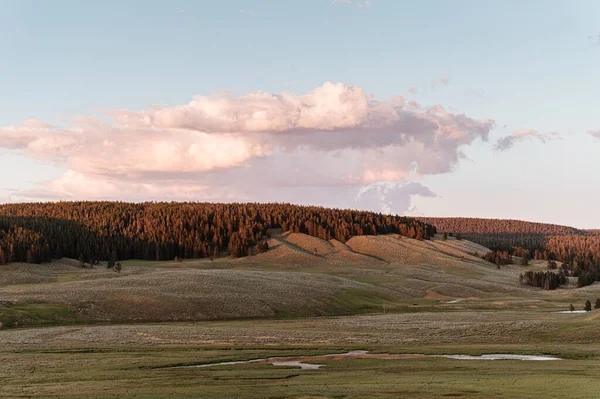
(18, 244)
(500, 258)
(544, 280)
(580, 255)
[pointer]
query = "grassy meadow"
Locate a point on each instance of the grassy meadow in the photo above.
(69, 332)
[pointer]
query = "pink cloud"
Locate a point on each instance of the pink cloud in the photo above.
(335, 140)
(365, 4)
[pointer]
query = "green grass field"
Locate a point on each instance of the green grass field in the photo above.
(61, 363)
(69, 332)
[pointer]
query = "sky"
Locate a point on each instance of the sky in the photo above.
(435, 108)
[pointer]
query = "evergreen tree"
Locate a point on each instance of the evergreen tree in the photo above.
(112, 259)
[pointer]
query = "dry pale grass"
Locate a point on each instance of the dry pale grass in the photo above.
(389, 329)
(285, 254)
(192, 294)
(405, 251)
(23, 273)
(309, 243)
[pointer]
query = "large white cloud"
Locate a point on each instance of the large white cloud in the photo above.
(334, 142)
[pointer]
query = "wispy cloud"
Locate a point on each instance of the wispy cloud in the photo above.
(359, 4)
(441, 81)
(474, 93)
(507, 142)
(594, 133)
(444, 80)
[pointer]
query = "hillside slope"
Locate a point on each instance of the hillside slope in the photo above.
(299, 275)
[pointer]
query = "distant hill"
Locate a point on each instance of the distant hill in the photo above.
(578, 249)
(92, 231)
(500, 226)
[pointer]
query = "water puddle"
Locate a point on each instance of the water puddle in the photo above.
(303, 366)
(500, 357)
(300, 361)
(570, 311)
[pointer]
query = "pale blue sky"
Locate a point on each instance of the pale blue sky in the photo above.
(531, 62)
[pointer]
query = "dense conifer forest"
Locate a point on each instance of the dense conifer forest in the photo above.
(37, 232)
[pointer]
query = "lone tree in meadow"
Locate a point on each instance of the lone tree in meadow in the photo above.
(588, 306)
(118, 267)
(112, 260)
(571, 308)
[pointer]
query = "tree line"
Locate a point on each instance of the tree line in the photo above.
(578, 250)
(500, 226)
(163, 231)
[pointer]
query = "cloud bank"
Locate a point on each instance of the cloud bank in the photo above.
(335, 146)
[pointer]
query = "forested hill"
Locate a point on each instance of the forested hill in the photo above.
(579, 250)
(499, 226)
(36, 232)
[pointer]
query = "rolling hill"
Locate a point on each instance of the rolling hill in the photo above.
(299, 275)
